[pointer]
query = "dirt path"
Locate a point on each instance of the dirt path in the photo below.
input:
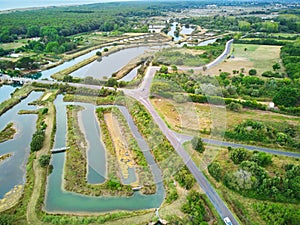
(40, 172)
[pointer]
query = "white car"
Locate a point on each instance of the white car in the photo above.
(227, 221)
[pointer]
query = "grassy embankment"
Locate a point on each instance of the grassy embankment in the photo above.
(76, 161)
(180, 56)
(16, 97)
(34, 178)
(7, 133)
(60, 75)
(131, 65)
(142, 168)
(163, 152)
(182, 117)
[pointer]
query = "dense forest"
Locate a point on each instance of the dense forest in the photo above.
(283, 23)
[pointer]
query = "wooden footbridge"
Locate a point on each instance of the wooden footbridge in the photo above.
(56, 150)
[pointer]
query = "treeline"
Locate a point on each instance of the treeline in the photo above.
(66, 21)
(24, 63)
(252, 179)
(290, 55)
(255, 131)
(288, 23)
(225, 88)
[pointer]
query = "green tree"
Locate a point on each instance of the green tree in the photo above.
(262, 158)
(112, 82)
(215, 170)
(6, 219)
(252, 72)
(239, 155)
(286, 96)
(174, 68)
(276, 66)
(198, 144)
(52, 46)
(44, 160)
(163, 69)
(68, 78)
(185, 178)
(27, 63)
(37, 140)
(194, 207)
(244, 25)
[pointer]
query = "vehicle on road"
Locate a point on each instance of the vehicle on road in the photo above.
(227, 221)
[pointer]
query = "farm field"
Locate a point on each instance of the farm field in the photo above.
(249, 56)
(182, 117)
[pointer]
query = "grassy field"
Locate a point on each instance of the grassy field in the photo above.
(182, 117)
(14, 45)
(180, 56)
(259, 57)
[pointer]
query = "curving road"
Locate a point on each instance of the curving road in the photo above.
(142, 95)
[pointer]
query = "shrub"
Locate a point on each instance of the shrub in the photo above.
(215, 170)
(236, 107)
(37, 140)
(252, 72)
(238, 155)
(197, 144)
(44, 160)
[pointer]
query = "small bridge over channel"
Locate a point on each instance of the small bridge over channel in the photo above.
(56, 150)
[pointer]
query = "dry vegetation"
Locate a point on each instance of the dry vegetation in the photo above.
(259, 57)
(182, 117)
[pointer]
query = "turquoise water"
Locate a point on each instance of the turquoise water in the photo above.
(60, 200)
(13, 170)
(109, 64)
(5, 91)
(46, 74)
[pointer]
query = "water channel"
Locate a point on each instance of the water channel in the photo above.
(184, 30)
(59, 200)
(131, 75)
(5, 92)
(46, 74)
(13, 170)
(109, 64)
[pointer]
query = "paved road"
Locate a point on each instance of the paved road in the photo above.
(142, 95)
(218, 203)
(184, 138)
(219, 59)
